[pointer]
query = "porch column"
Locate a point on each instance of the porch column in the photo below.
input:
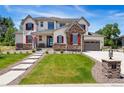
(81, 43)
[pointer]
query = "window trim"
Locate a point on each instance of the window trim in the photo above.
(72, 38)
(27, 28)
(52, 24)
(63, 24)
(62, 39)
(42, 24)
(83, 26)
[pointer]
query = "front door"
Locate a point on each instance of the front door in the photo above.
(49, 41)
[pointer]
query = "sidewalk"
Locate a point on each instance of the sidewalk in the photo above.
(20, 69)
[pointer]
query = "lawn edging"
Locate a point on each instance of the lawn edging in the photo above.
(4, 70)
(28, 71)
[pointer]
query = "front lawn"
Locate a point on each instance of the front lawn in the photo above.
(61, 69)
(9, 59)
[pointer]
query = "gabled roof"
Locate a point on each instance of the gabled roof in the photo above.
(69, 20)
(84, 20)
(94, 34)
(23, 20)
(75, 23)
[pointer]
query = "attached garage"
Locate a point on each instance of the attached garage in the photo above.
(92, 45)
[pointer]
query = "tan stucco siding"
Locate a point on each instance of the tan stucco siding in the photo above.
(28, 20)
(44, 40)
(45, 25)
(59, 32)
(85, 23)
(19, 38)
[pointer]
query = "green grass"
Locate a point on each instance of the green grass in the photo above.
(9, 59)
(61, 69)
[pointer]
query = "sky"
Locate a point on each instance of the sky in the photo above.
(97, 15)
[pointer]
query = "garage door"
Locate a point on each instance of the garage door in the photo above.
(92, 46)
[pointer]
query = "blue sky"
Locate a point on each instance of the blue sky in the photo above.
(98, 16)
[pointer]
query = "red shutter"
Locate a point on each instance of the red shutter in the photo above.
(32, 26)
(62, 39)
(26, 26)
(57, 39)
(26, 39)
(71, 38)
(79, 39)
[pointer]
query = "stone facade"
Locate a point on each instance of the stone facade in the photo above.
(59, 47)
(111, 68)
(20, 46)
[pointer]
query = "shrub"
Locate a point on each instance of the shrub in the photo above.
(33, 50)
(8, 52)
(14, 52)
(47, 52)
(0, 51)
(61, 51)
(27, 52)
(54, 52)
(20, 52)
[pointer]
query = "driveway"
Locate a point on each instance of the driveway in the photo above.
(98, 55)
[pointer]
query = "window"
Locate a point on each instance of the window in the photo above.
(29, 26)
(83, 26)
(60, 39)
(28, 39)
(41, 24)
(50, 25)
(40, 38)
(113, 66)
(62, 24)
(75, 38)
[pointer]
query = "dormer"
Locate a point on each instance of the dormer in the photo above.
(84, 24)
(28, 24)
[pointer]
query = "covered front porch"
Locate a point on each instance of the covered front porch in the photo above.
(42, 39)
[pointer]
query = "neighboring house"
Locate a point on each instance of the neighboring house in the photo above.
(58, 33)
(121, 38)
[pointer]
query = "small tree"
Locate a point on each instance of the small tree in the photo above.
(9, 36)
(111, 33)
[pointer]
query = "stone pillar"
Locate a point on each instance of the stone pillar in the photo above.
(111, 68)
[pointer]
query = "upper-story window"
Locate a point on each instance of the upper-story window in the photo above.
(41, 24)
(62, 24)
(83, 26)
(29, 26)
(50, 25)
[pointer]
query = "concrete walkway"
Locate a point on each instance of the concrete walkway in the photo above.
(20, 69)
(99, 55)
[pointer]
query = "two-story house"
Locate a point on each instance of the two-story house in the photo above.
(58, 33)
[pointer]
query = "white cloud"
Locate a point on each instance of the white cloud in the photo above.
(84, 11)
(49, 13)
(7, 7)
(120, 14)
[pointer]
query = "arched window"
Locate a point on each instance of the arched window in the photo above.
(29, 26)
(60, 39)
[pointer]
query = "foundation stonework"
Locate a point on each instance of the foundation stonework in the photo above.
(111, 68)
(20, 46)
